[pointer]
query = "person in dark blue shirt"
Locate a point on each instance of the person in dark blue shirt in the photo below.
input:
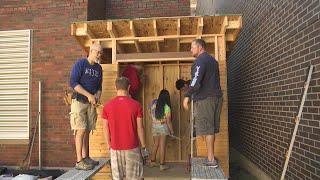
(205, 91)
(86, 80)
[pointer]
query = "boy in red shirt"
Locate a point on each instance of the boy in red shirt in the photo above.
(124, 129)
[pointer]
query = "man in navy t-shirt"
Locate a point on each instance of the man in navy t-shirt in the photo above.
(86, 80)
(205, 91)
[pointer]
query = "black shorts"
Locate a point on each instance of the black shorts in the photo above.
(207, 115)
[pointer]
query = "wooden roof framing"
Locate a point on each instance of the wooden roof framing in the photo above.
(156, 35)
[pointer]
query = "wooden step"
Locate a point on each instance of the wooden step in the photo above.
(74, 174)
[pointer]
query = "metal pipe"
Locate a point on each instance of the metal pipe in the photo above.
(39, 118)
(191, 129)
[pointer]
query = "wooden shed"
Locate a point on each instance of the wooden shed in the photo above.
(162, 45)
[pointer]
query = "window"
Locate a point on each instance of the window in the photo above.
(15, 55)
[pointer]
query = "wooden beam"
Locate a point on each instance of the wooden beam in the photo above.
(110, 30)
(133, 34)
(189, 40)
(155, 30)
(159, 39)
(216, 50)
(114, 51)
(200, 27)
(234, 25)
(80, 39)
(79, 29)
(150, 38)
(178, 26)
(113, 34)
(73, 29)
(156, 60)
(178, 33)
(224, 25)
(108, 44)
(222, 48)
(88, 32)
(161, 56)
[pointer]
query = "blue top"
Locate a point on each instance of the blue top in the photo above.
(88, 76)
(205, 78)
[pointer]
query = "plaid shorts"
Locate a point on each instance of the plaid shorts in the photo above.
(126, 164)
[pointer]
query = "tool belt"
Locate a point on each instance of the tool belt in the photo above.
(67, 97)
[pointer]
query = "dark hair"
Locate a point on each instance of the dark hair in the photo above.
(122, 83)
(200, 42)
(163, 99)
(180, 84)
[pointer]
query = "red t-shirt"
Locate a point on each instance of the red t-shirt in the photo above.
(121, 113)
(131, 73)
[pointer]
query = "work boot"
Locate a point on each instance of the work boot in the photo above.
(153, 164)
(164, 167)
(88, 160)
(213, 163)
(82, 165)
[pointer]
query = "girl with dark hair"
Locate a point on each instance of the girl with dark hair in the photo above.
(160, 110)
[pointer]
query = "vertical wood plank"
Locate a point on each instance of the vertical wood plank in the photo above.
(170, 75)
(151, 91)
(97, 144)
(185, 74)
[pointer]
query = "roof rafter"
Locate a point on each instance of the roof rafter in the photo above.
(156, 34)
(200, 27)
(133, 34)
(113, 34)
(178, 33)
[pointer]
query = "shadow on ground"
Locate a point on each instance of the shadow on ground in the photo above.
(237, 172)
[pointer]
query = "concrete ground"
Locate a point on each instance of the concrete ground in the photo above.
(176, 172)
(236, 172)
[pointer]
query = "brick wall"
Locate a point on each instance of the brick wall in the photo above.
(147, 8)
(53, 53)
(266, 73)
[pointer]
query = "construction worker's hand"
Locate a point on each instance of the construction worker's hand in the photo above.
(186, 103)
(144, 153)
(97, 99)
(92, 99)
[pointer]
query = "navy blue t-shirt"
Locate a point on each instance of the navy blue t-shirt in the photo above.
(205, 78)
(88, 76)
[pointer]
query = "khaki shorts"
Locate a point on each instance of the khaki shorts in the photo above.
(126, 163)
(207, 115)
(82, 116)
